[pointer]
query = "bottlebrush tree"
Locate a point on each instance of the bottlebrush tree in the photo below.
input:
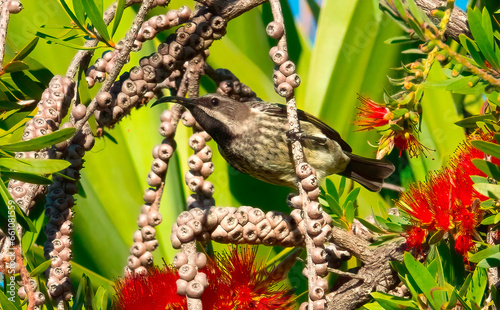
(90, 220)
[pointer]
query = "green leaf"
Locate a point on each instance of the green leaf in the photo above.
(479, 256)
(342, 186)
(27, 177)
(353, 195)
(490, 262)
(79, 11)
(15, 66)
(101, 298)
(436, 237)
(120, 7)
(349, 212)
(400, 39)
(52, 39)
(488, 189)
(489, 168)
(473, 50)
(390, 302)
(6, 303)
(332, 190)
(81, 24)
(424, 280)
(470, 122)
(34, 165)
(370, 226)
(481, 28)
(334, 205)
(490, 148)
(495, 297)
(39, 142)
(26, 50)
(40, 268)
(478, 285)
(489, 220)
(96, 18)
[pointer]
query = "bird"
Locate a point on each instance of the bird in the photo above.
(253, 138)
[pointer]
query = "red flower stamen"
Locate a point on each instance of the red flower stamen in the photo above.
(372, 114)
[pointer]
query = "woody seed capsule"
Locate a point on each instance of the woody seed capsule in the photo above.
(275, 30)
(187, 272)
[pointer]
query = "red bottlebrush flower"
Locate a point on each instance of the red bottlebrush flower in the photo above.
(372, 114)
(416, 237)
(407, 141)
(447, 201)
(155, 290)
(236, 281)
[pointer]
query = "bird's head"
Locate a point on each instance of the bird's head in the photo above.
(221, 116)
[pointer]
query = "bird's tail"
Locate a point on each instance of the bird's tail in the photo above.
(368, 172)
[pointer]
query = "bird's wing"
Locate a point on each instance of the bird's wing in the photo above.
(279, 110)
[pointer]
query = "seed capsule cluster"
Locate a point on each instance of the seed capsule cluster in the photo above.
(200, 166)
(241, 225)
(149, 29)
(191, 282)
(229, 85)
(39, 297)
(144, 239)
(285, 79)
(58, 209)
(318, 226)
(161, 69)
(51, 108)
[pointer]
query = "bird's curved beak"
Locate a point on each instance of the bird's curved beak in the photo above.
(186, 102)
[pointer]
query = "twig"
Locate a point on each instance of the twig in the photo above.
(4, 21)
(25, 276)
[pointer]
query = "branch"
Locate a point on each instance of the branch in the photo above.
(458, 21)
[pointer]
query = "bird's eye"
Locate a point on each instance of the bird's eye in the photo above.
(214, 101)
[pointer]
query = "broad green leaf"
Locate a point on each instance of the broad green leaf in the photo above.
(479, 282)
(40, 268)
(342, 186)
(489, 220)
(95, 17)
(424, 280)
(391, 302)
(15, 66)
(120, 7)
(39, 142)
(489, 168)
(34, 165)
(26, 50)
(26, 177)
(487, 147)
(470, 122)
(490, 261)
(488, 189)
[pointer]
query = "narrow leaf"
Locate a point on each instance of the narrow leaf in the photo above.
(96, 18)
(490, 262)
(72, 16)
(39, 142)
(34, 165)
(40, 268)
(6, 303)
(27, 177)
(15, 66)
(487, 147)
(479, 256)
(370, 226)
(26, 50)
(52, 39)
(120, 7)
(489, 168)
